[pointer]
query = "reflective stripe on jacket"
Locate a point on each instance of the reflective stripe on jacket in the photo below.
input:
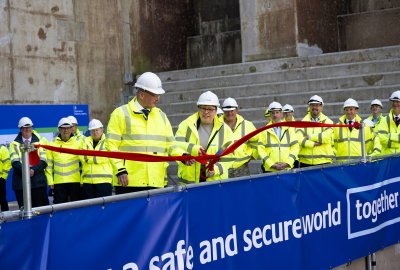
(389, 134)
(129, 131)
(248, 150)
(63, 168)
(5, 164)
(307, 137)
(96, 170)
(348, 143)
(272, 149)
(188, 138)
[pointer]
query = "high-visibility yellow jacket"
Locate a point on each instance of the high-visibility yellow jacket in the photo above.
(348, 143)
(307, 137)
(188, 138)
(248, 150)
(96, 170)
(272, 149)
(129, 131)
(79, 136)
(389, 134)
(5, 164)
(63, 168)
(39, 178)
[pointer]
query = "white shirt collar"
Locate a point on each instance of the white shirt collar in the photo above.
(138, 105)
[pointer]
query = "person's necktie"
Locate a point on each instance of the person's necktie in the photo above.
(146, 112)
(397, 120)
(350, 122)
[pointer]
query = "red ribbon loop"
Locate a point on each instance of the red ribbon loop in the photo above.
(203, 159)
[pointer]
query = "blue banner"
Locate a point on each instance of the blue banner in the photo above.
(312, 219)
(45, 119)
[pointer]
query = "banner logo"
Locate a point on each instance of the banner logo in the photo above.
(372, 208)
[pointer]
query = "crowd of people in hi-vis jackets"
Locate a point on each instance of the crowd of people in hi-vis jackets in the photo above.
(140, 127)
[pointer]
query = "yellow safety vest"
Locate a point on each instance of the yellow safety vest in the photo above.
(79, 136)
(15, 152)
(314, 155)
(389, 134)
(272, 149)
(348, 143)
(188, 138)
(63, 168)
(5, 164)
(248, 150)
(129, 131)
(96, 170)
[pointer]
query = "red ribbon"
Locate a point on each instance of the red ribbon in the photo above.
(211, 159)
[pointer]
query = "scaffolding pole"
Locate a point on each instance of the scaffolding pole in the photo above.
(26, 181)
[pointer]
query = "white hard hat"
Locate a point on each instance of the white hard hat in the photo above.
(376, 102)
(275, 106)
(208, 98)
(64, 122)
(350, 103)
(25, 122)
(219, 111)
(94, 123)
(287, 108)
(315, 99)
(395, 96)
(150, 82)
(72, 119)
(229, 104)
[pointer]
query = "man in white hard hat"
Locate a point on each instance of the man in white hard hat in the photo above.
(388, 128)
(240, 127)
(315, 143)
(141, 127)
(277, 147)
(348, 140)
(288, 113)
(204, 131)
(75, 130)
(97, 172)
(376, 113)
(63, 172)
(38, 163)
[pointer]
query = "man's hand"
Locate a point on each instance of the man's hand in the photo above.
(210, 174)
(280, 166)
(32, 172)
(123, 179)
(189, 162)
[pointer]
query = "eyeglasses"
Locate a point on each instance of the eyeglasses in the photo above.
(207, 109)
(151, 94)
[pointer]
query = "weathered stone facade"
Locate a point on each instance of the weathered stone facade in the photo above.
(70, 51)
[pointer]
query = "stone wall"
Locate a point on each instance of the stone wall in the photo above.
(286, 28)
(61, 52)
(369, 24)
(159, 33)
(72, 51)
